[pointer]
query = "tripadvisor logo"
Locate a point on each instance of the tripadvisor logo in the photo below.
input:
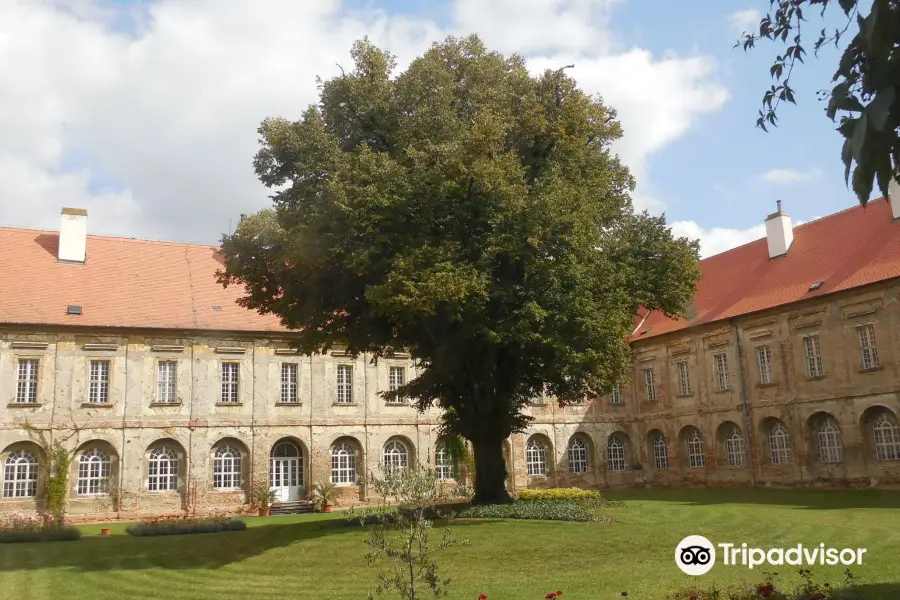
(696, 555)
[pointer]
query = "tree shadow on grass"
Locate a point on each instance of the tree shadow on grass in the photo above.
(799, 498)
(176, 552)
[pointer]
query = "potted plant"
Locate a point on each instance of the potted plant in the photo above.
(263, 497)
(105, 531)
(324, 495)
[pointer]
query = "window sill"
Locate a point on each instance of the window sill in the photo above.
(23, 405)
(164, 404)
(725, 391)
(344, 404)
(765, 385)
(97, 405)
(229, 403)
(872, 369)
(816, 378)
(684, 395)
(396, 404)
(288, 404)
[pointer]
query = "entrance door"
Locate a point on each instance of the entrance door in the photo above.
(285, 474)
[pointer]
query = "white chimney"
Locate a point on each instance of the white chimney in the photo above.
(779, 232)
(72, 235)
(894, 197)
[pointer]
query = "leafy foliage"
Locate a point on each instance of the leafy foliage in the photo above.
(182, 524)
(22, 527)
(471, 214)
(865, 94)
(54, 487)
(577, 494)
(809, 589)
(324, 493)
(261, 495)
(539, 510)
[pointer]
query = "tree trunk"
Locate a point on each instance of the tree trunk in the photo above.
(490, 472)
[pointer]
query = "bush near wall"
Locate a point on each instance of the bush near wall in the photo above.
(66, 533)
(24, 527)
(179, 525)
(578, 494)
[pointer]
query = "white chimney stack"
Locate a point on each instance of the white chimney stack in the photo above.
(779, 232)
(72, 235)
(894, 197)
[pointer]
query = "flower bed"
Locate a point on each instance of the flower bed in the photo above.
(540, 510)
(181, 524)
(23, 527)
(527, 495)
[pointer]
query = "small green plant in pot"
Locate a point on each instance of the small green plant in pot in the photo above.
(262, 497)
(324, 495)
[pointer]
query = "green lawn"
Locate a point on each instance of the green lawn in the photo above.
(306, 556)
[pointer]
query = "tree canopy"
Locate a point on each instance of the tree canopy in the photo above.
(865, 97)
(471, 214)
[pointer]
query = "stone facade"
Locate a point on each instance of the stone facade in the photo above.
(714, 420)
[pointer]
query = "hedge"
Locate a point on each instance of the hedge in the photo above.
(540, 510)
(527, 495)
(63, 534)
(181, 527)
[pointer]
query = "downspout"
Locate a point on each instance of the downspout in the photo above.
(744, 406)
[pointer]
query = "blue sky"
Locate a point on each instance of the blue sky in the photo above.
(143, 110)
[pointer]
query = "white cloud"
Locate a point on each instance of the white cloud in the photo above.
(745, 21)
(169, 114)
(717, 239)
(790, 175)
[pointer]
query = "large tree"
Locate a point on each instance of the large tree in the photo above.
(471, 214)
(866, 94)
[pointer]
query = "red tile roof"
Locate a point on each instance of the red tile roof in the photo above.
(854, 247)
(123, 283)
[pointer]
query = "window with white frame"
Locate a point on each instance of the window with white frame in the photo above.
(395, 455)
(615, 396)
(343, 464)
(227, 467)
(684, 378)
(831, 447)
(162, 470)
(230, 383)
(721, 361)
(734, 447)
(764, 362)
(813, 354)
(615, 453)
(93, 473)
(696, 457)
(780, 444)
(167, 382)
(443, 463)
(27, 381)
(288, 383)
(578, 456)
(98, 384)
(650, 385)
(536, 458)
(344, 384)
(20, 475)
(396, 378)
(660, 452)
(886, 436)
(868, 351)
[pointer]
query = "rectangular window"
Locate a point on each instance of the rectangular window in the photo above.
(615, 397)
(166, 381)
(344, 384)
(650, 385)
(230, 381)
(764, 360)
(867, 349)
(396, 378)
(98, 386)
(813, 355)
(684, 378)
(288, 383)
(721, 372)
(27, 381)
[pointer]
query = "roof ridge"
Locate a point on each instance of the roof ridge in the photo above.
(114, 237)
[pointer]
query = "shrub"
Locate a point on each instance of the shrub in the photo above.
(179, 525)
(770, 590)
(24, 527)
(558, 494)
(540, 510)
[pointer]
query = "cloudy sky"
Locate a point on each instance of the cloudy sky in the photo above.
(145, 112)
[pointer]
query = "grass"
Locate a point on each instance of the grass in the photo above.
(305, 556)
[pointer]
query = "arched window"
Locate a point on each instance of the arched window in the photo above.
(20, 474)
(886, 436)
(343, 464)
(578, 456)
(660, 452)
(395, 455)
(227, 468)
(93, 473)
(162, 470)
(734, 447)
(536, 457)
(780, 444)
(831, 449)
(443, 462)
(696, 457)
(615, 453)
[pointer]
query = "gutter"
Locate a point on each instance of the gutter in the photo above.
(748, 427)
